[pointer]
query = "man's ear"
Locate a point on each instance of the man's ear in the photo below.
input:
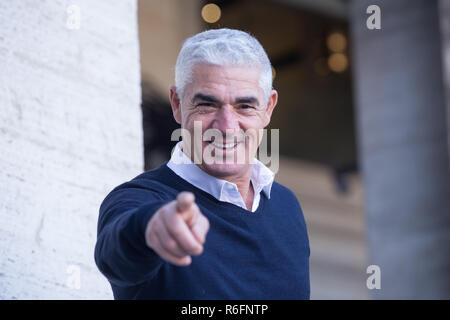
(175, 103)
(273, 99)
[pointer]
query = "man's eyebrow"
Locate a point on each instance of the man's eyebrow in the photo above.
(250, 100)
(213, 99)
(204, 97)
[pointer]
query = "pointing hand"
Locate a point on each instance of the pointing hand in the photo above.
(178, 230)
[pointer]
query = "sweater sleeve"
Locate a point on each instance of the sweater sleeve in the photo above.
(121, 253)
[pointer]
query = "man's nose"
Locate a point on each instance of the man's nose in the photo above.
(226, 119)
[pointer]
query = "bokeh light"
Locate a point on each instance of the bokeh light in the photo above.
(211, 13)
(337, 42)
(338, 62)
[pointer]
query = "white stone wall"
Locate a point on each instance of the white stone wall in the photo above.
(70, 128)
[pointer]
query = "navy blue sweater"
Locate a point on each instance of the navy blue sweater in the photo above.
(247, 255)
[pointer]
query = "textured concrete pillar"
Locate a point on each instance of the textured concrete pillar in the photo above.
(402, 138)
(444, 19)
(70, 127)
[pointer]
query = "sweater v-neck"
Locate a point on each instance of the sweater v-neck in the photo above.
(176, 180)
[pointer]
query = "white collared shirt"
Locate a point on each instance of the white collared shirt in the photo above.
(261, 178)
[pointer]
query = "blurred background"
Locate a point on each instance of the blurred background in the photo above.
(362, 113)
(308, 45)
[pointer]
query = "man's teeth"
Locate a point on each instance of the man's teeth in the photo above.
(226, 145)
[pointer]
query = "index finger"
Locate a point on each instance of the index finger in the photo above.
(182, 234)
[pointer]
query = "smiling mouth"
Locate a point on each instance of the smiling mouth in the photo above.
(224, 145)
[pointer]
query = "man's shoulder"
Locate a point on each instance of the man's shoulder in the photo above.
(154, 181)
(280, 191)
(154, 177)
(279, 188)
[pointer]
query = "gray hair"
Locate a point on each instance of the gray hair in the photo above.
(222, 47)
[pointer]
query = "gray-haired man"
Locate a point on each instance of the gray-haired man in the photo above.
(211, 223)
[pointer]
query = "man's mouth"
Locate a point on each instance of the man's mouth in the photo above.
(224, 145)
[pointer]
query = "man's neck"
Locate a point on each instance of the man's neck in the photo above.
(250, 197)
(245, 188)
(243, 183)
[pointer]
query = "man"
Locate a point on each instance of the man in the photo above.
(211, 223)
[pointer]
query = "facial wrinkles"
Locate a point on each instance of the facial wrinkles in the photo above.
(224, 84)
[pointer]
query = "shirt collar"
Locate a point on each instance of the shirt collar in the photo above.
(262, 177)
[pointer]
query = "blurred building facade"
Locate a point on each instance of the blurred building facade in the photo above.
(314, 115)
(371, 112)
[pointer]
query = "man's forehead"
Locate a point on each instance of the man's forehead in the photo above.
(213, 78)
(227, 72)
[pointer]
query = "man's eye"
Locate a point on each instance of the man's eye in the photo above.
(205, 104)
(246, 106)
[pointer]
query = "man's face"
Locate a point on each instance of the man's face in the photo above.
(228, 103)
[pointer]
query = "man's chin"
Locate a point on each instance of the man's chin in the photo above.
(223, 169)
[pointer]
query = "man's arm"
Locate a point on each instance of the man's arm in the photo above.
(121, 252)
(138, 227)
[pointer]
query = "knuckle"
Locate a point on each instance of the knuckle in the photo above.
(189, 247)
(163, 209)
(193, 248)
(177, 231)
(166, 257)
(161, 213)
(152, 228)
(197, 251)
(180, 262)
(167, 208)
(171, 244)
(174, 260)
(150, 239)
(206, 223)
(181, 194)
